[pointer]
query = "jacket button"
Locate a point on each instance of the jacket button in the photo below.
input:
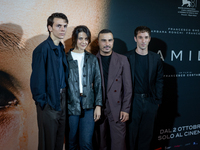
(116, 79)
(84, 85)
(117, 101)
(115, 90)
(84, 75)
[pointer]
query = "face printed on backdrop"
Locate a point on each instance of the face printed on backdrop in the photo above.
(21, 30)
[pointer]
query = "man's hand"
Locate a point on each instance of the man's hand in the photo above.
(97, 113)
(124, 116)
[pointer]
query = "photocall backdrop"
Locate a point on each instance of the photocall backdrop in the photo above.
(22, 28)
(175, 36)
(175, 27)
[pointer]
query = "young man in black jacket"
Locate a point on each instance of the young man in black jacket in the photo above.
(147, 79)
(48, 84)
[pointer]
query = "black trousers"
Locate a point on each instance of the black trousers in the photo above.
(141, 123)
(51, 125)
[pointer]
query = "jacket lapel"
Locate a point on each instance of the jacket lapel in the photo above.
(102, 78)
(73, 63)
(64, 58)
(131, 58)
(151, 61)
(113, 70)
(86, 56)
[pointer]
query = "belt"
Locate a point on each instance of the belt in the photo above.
(81, 94)
(63, 90)
(141, 95)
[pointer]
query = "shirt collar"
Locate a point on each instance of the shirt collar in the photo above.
(52, 45)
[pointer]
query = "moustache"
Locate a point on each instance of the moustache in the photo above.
(106, 47)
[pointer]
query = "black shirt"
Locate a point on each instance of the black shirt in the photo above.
(105, 64)
(141, 74)
(61, 68)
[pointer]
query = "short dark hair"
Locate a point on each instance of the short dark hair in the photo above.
(142, 29)
(77, 30)
(55, 15)
(104, 31)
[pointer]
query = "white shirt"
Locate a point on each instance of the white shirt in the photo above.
(80, 59)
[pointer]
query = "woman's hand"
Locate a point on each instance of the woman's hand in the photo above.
(97, 113)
